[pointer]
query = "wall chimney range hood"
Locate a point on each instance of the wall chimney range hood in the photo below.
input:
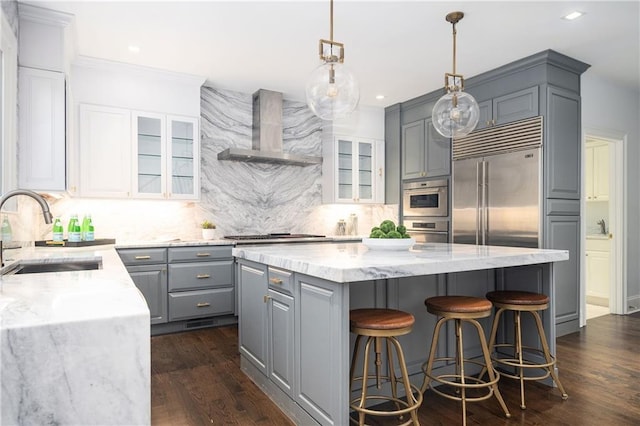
(267, 135)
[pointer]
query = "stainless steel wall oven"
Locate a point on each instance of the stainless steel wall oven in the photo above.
(425, 198)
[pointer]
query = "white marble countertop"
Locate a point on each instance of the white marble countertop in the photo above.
(350, 262)
(57, 297)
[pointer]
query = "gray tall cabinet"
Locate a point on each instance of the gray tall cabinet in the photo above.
(545, 84)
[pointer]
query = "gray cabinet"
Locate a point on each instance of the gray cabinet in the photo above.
(563, 233)
(148, 270)
(288, 323)
(392, 139)
(562, 144)
(510, 107)
(425, 153)
(253, 330)
(200, 282)
(183, 283)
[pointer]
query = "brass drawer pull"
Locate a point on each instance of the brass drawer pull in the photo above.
(201, 276)
(203, 304)
(143, 257)
(275, 280)
(266, 298)
(203, 254)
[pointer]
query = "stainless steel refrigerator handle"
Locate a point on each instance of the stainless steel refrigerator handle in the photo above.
(479, 183)
(485, 200)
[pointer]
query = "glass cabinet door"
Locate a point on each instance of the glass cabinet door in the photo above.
(365, 171)
(355, 180)
(150, 155)
(345, 170)
(183, 158)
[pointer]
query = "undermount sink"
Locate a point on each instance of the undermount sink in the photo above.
(57, 266)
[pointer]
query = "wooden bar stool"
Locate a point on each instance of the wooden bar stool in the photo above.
(461, 309)
(518, 302)
(378, 324)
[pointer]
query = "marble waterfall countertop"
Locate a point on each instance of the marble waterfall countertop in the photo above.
(75, 345)
(350, 262)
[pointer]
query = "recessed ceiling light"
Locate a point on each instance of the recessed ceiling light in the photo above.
(379, 96)
(134, 49)
(573, 15)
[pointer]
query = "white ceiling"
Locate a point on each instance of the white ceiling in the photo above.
(400, 49)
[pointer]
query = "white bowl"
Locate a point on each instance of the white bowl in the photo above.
(389, 243)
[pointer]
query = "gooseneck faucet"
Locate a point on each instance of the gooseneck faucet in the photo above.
(43, 205)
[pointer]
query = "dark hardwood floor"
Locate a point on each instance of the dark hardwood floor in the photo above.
(196, 380)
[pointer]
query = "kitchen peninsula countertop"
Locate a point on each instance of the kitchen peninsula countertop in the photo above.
(74, 345)
(350, 262)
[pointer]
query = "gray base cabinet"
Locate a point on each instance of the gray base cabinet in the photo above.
(294, 352)
(183, 284)
(148, 270)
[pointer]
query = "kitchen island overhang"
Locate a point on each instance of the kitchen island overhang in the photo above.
(294, 304)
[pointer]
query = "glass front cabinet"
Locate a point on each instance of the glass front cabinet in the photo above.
(355, 167)
(165, 157)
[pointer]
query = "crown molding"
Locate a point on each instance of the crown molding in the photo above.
(44, 16)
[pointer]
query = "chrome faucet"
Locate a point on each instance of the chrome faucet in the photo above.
(43, 205)
(603, 227)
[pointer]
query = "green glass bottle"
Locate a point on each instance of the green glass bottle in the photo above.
(88, 229)
(74, 229)
(58, 230)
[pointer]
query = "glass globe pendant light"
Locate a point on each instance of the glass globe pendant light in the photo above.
(332, 91)
(456, 113)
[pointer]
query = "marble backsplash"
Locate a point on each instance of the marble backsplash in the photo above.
(240, 198)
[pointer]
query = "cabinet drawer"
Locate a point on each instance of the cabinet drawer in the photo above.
(199, 253)
(201, 303)
(143, 256)
(187, 276)
(281, 280)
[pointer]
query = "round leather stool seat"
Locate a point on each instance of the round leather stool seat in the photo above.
(449, 306)
(518, 298)
(380, 319)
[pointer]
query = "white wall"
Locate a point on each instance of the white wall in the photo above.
(613, 109)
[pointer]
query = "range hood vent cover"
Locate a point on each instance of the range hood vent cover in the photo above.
(267, 135)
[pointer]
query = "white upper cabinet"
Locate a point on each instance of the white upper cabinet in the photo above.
(166, 156)
(41, 147)
(133, 154)
(105, 152)
(354, 170)
(597, 172)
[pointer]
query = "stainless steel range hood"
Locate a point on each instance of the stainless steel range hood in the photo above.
(267, 135)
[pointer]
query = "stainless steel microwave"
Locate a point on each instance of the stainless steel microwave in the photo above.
(425, 198)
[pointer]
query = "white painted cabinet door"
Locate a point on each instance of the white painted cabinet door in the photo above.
(41, 144)
(597, 172)
(149, 157)
(105, 152)
(598, 274)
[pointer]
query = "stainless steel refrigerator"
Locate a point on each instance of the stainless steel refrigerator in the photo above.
(496, 186)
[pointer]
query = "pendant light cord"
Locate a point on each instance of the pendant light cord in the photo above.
(454, 46)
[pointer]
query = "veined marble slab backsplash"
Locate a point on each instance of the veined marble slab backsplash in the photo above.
(240, 198)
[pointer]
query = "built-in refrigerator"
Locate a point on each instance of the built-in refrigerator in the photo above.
(496, 186)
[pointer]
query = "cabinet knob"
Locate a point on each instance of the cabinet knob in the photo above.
(380, 172)
(266, 298)
(610, 236)
(203, 304)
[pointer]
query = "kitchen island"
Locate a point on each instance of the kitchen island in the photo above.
(74, 345)
(294, 304)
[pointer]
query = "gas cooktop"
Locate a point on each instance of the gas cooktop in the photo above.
(271, 236)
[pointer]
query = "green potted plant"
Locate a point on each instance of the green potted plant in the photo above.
(208, 230)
